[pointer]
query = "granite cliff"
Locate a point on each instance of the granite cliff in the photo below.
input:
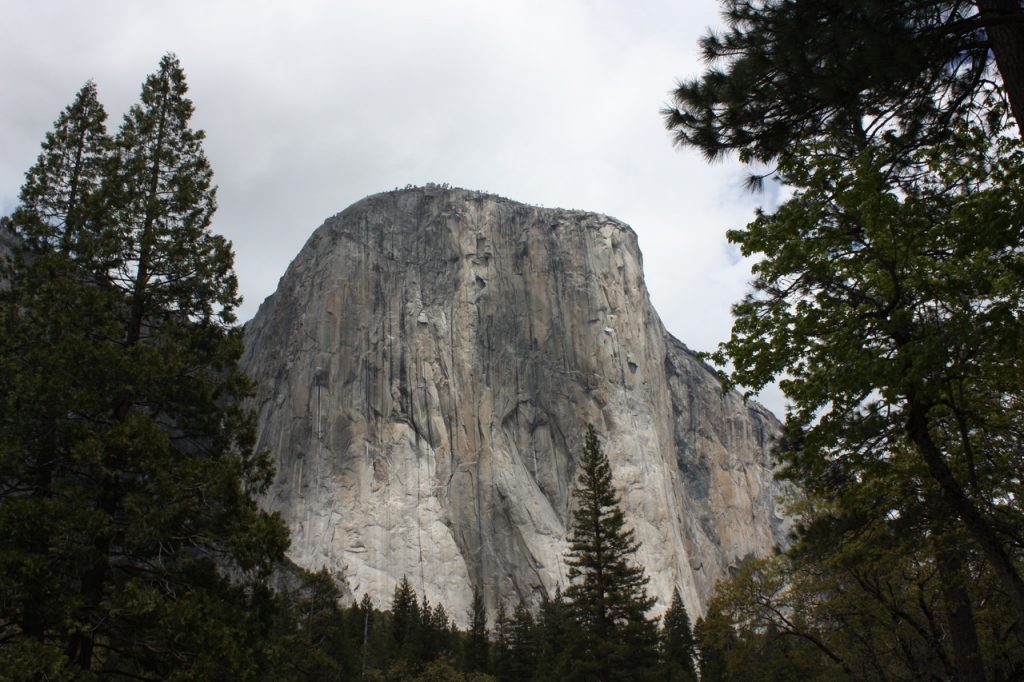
(426, 371)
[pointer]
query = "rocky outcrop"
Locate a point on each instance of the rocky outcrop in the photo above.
(426, 370)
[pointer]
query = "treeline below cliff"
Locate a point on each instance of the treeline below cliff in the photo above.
(316, 639)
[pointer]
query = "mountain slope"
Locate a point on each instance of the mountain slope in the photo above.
(426, 370)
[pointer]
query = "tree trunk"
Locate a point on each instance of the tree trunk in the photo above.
(956, 501)
(1004, 23)
(963, 631)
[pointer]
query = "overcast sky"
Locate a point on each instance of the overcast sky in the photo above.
(310, 105)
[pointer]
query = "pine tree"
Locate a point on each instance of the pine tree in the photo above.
(895, 72)
(160, 192)
(405, 617)
(62, 188)
(523, 646)
(606, 595)
(678, 651)
(556, 630)
(122, 436)
(45, 226)
(501, 652)
(476, 654)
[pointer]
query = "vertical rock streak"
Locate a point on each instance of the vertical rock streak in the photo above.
(454, 345)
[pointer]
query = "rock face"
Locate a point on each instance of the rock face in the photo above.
(427, 369)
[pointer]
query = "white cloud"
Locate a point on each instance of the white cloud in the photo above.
(310, 105)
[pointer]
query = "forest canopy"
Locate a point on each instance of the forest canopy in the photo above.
(886, 300)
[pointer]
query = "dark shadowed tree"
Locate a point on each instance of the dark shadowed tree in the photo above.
(501, 649)
(556, 629)
(310, 640)
(405, 618)
(122, 436)
(61, 191)
(678, 652)
(523, 646)
(476, 653)
(893, 71)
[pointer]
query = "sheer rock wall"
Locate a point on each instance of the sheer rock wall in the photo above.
(426, 370)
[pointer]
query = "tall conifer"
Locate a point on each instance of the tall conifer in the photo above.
(678, 650)
(405, 617)
(61, 188)
(607, 592)
(476, 658)
(127, 469)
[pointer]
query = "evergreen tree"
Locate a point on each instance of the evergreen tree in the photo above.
(168, 263)
(311, 642)
(47, 223)
(405, 618)
(556, 629)
(522, 646)
(122, 437)
(607, 597)
(677, 646)
(62, 189)
(890, 71)
(715, 638)
(501, 652)
(477, 645)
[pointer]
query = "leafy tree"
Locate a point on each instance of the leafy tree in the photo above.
(789, 71)
(678, 651)
(122, 437)
(888, 295)
(863, 594)
(893, 303)
(607, 597)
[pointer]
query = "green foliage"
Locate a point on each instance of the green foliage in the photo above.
(889, 297)
(312, 640)
(405, 619)
(477, 655)
(868, 591)
(678, 649)
(61, 190)
(127, 467)
(715, 639)
(894, 72)
(523, 647)
(607, 598)
(556, 630)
